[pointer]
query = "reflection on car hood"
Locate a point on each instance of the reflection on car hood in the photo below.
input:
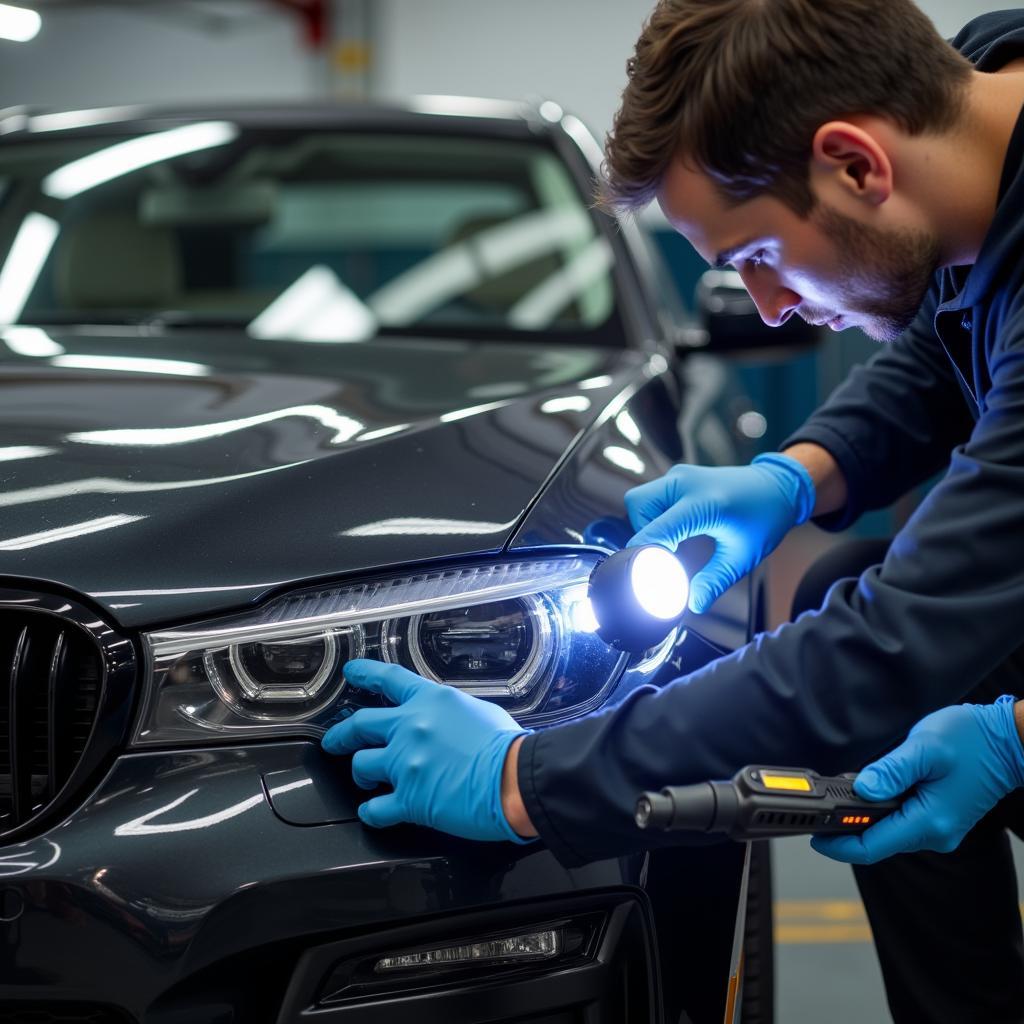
(171, 490)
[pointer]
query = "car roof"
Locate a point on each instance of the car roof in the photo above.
(419, 113)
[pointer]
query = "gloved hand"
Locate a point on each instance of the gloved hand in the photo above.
(441, 750)
(746, 509)
(964, 759)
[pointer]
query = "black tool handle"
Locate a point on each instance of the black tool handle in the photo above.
(760, 803)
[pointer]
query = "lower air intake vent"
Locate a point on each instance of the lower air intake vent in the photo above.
(55, 681)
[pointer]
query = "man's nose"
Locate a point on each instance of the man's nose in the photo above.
(774, 302)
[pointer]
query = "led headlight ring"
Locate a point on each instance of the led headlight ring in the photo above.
(540, 618)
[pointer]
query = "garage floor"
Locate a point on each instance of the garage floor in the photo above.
(826, 968)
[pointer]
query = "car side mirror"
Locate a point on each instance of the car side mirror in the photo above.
(731, 325)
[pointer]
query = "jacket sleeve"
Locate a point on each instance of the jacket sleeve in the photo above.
(893, 422)
(839, 685)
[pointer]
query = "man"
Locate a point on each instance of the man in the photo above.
(857, 171)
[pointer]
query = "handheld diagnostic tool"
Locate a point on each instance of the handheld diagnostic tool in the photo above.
(761, 802)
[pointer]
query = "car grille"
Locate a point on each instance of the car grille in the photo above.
(60, 717)
(50, 675)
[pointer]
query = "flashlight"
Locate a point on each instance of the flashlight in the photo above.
(760, 802)
(638, 595)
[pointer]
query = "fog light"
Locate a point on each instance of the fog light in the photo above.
(525, 948)
(638, 595)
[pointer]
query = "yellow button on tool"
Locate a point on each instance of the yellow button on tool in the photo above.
(799, 783)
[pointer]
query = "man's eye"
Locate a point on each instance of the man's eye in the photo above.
(757, 258)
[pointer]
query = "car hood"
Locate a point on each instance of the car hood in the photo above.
(179, 488)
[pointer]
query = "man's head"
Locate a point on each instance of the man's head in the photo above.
(766, 130)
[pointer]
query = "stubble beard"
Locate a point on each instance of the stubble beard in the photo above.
(887, 273)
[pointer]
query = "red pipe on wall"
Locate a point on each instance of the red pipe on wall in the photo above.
(313, 15)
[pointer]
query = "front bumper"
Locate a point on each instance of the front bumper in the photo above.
(179, 892)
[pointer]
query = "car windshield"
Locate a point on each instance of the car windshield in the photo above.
(313, 235)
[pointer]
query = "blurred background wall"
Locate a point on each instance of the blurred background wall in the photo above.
(118, 51)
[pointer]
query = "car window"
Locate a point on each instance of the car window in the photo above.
(313, 235)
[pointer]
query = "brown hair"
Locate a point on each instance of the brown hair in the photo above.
(738, 88)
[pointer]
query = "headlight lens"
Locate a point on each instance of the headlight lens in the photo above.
(296, 676)
(515, 633)
(498, 649)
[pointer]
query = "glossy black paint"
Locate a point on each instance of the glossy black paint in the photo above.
(308, 793)
(267, 472)
(177, 862)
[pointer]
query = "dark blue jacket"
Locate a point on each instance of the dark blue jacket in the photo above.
(838, 686)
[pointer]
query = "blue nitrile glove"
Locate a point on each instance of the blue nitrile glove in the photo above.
(441, 750)
(746, 509)
(963, 759)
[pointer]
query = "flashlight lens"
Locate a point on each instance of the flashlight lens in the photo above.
(660, 583)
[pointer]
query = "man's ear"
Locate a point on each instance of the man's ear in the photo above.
(853, 160)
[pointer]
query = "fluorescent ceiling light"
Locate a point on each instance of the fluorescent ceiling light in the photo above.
(592, 383)
(80, 118)
(498, 389)
(456, 269)
(373, 435)
(131, 364)
(24, 451)
(125, 157)
(24, 262)
(568, 403)
(628, 428)
(316, 307)
(538, 307)
(106, 485)
(473, 410)
(34, 540)
(416, 527)
(624, 458)
(141, 826)
(18, 24)
(344, 426)
(31, 341)
(464, 106)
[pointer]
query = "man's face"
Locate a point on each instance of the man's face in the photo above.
(828, 268)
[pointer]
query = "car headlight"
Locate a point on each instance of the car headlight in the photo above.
(518, 633)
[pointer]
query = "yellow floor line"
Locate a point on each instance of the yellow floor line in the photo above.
(815, 934)
(806, 922)
(825, 910)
